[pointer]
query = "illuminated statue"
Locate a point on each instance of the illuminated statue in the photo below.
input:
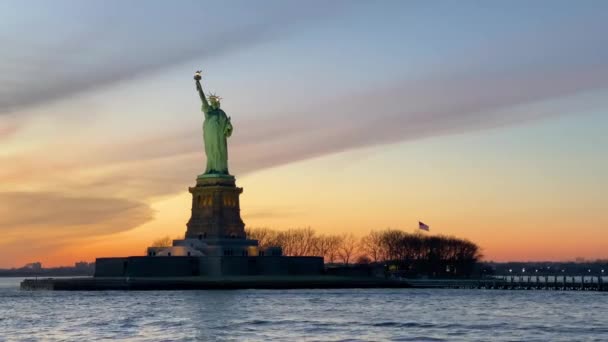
(216, 129)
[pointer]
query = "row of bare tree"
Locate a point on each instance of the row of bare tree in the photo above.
(413, 253)
(305, 241)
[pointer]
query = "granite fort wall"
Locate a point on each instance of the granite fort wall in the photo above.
(305, 265)
(147, 267)
(180, 266)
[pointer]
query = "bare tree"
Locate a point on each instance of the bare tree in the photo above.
(293, 241)
(372, 247)
(348, 248)
(433, 255)
(304, 239)
(296, 241)
(392, 241)
(165, 241)
(328, 247)
(321, 246)
(265, 237)
(417, 253)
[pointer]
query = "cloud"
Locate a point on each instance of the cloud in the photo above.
(111, 44)
(270, 214)
(496, 86)
(35, 225)
(54, 215)
(408, 110)
(8, 128)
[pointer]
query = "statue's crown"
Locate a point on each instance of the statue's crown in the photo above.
(213, 96)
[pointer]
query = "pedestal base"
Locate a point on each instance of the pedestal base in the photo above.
(211, 179)
(216, 212)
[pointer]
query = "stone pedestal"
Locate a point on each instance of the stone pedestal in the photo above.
(216, 212)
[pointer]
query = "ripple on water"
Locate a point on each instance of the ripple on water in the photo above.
(325, 315)
(403, 325)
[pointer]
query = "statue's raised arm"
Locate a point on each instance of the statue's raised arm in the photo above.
(201, 93)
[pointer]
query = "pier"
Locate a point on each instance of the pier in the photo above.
(527, 282)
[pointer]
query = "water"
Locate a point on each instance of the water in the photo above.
(303, 315)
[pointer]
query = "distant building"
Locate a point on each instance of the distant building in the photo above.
(34, 266)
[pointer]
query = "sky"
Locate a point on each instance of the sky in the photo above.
(486, 120)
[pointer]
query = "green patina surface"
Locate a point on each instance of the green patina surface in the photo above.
(216, 130)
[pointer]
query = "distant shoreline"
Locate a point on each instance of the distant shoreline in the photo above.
(43, 275)
(36, 270)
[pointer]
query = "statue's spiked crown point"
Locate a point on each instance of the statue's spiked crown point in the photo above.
(214, 97)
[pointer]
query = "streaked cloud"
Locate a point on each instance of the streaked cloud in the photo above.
(106, 43)
(284, 212)
(8, 128)
(35, 224)
(57, 215)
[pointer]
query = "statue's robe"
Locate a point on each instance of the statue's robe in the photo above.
(216, 129)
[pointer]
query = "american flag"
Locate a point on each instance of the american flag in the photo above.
(423, 226)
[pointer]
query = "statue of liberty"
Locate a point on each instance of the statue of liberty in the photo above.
(216, 129)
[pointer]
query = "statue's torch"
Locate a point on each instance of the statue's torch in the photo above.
(197, 78)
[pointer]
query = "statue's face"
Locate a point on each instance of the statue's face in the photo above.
(215, 103)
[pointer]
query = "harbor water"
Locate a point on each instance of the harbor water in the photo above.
(302, 315)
